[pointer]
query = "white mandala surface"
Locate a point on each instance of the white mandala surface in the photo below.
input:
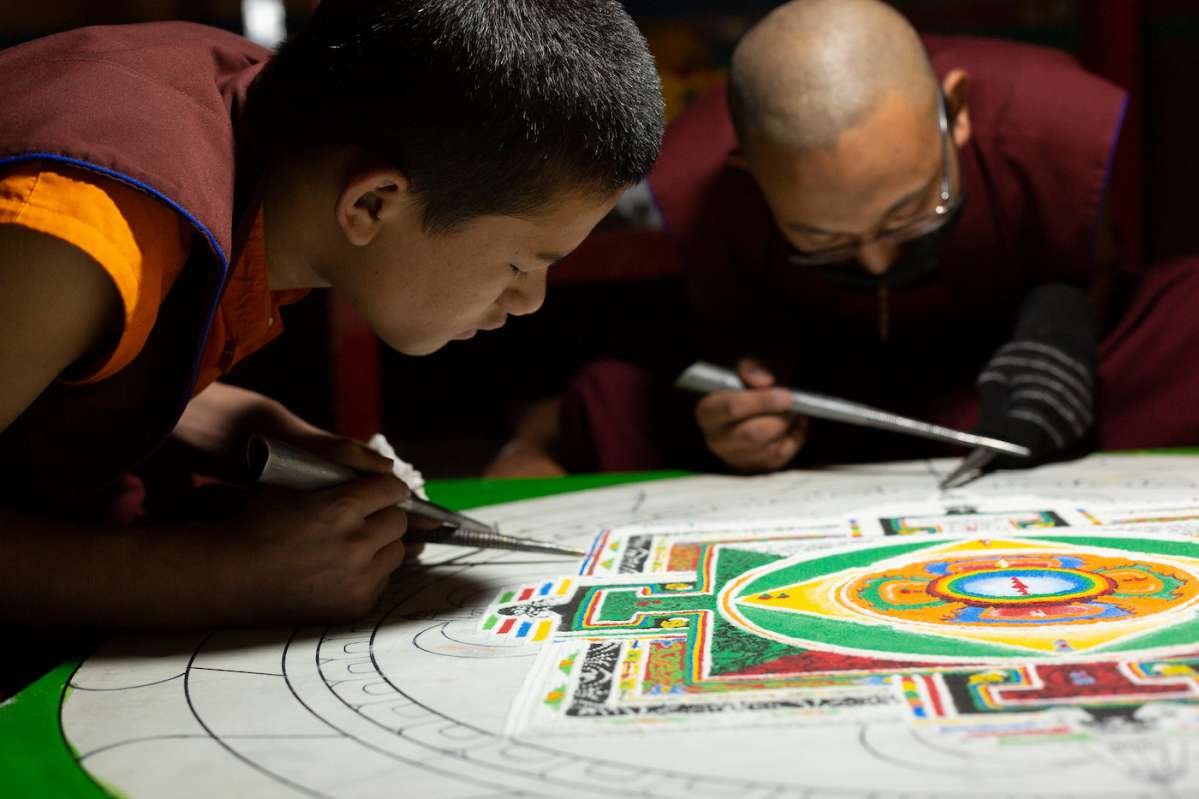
(418, 700)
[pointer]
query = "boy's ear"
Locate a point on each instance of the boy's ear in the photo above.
(369, 199)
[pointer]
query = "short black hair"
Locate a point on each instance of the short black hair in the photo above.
(488, 106)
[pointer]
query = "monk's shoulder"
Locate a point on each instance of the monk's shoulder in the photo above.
(991, 57)
(698, 142)
(1025, 91)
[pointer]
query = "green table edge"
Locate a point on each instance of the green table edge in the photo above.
(35, 758)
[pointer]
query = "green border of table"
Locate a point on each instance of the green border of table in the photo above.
(35, 758)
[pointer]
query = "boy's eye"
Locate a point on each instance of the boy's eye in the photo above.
(516, 271)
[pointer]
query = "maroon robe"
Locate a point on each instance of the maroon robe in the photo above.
(154, 106)
(1034, 177)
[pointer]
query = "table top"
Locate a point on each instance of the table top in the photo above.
(36, 759)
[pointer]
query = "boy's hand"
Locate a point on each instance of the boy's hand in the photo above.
(322, 556)
(332, 447)
(752, 429)
(287, 558)
(220, 419)
(346, 451)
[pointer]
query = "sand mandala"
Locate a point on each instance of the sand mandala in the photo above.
(849, 633)
(855, 631)
(977, 597)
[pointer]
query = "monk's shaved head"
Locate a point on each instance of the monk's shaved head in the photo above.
(813, 69)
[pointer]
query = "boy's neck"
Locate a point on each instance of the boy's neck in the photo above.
(294, 228)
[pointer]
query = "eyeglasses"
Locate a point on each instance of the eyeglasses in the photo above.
(944, 211)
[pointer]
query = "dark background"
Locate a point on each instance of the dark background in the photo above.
(451, 411)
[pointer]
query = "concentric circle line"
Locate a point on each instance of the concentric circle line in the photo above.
(220, 742)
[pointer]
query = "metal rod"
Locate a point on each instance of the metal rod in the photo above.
(704, 378)
(970, 469)
(275, 463)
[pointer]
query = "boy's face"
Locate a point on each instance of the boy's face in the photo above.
(419, 290)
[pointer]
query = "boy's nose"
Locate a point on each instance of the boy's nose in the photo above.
(527, 295)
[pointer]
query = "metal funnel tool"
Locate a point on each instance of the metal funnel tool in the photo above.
(275, 463)
(704, 378)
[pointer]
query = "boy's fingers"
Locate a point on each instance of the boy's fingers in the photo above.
(344, 451)
(390, 557)
(724, 408)
(412, 551)
(365, 496)
(754, 373)
(356, 455)
(385, 526)
(422, 523)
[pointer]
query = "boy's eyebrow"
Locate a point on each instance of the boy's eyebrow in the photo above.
(550, 258)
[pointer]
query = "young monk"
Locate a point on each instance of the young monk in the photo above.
(165, 189)
(912, 222)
